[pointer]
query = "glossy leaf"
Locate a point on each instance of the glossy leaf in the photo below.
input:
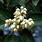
(35, 2)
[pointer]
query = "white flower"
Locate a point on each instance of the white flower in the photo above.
(21, 7)
(22, 23)
(26, 26)
(24, 15)
(12, 26)
(17, 13)
(21, 18)
(25, 12)
(18, 21)
(24, 20)
(6, 25)
(17, 9)
(29, 23)
(32, 22)
(30, 19)
(7, 21)
(15, 30)
(14, 16)
(10, 20)
(25, 9)
(17, 27)
(14, 20)
(22, 11)
(14, 23)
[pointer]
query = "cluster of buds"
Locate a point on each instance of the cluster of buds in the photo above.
(19, 22)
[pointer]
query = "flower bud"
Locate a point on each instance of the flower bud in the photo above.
(25, 12)
(14, 20)
(22, 23)
(17, 9)
(21, 7)
(10, 21)
(15, 30)
(22, 11)
(21, 18)
(7, 21)
(30, 19)
(6, 25)
(18, 21)
(32, 22)
(17, 27)
(12, 26)
(25, 9)
(26, 26)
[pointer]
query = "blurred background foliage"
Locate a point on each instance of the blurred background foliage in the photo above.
(7, 8)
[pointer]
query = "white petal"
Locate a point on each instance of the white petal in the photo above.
(21, 7)
(24, 15)
(17, 9)
(14, 20)
(15, 30)
(18, 21)
(30, 19)
(15, 13)
(10, 20)
(26, 26)
(6, 21)
(6, 25)
(25, 12)
(22, 23)
(25, 9)
(17, 26)
(14, 23)
(32, 22)
(12, 26)
(24, 20)
(22, 11)
(27, 21)
(21, 18)
(18, 13)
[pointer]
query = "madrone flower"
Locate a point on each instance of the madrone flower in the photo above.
(19, 22)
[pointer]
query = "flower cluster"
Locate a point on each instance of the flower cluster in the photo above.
(19, 22)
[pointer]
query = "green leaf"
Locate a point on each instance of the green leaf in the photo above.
(35, 9)
(22, 3)
(4, 14)
(17, 2)
(35, 2)
(2, 1)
